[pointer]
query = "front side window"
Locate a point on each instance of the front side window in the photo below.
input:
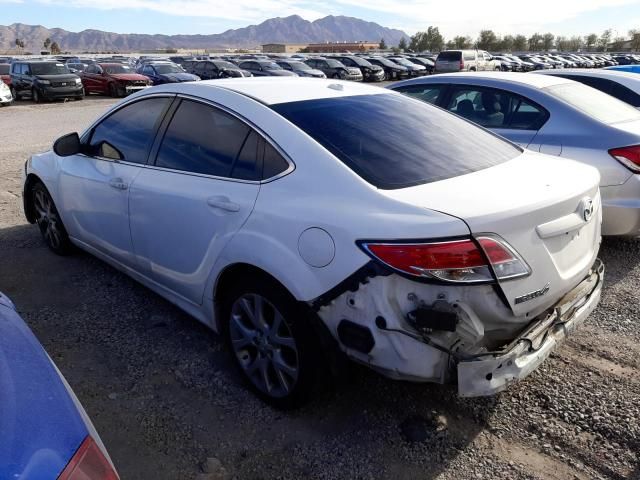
(393, 141)
(426, 93)
(594, 103)
(202, 139)
(128, 133)
(496, 108)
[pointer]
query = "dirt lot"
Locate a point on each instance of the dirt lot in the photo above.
(162, 392)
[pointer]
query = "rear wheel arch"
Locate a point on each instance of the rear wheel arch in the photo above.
(233, 274)
(320, 344)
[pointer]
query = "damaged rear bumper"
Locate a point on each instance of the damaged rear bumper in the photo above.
(493, 372)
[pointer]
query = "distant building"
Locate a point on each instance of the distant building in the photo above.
(329, 47)
(283, 47)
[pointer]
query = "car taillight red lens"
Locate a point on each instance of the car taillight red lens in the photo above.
(89, 463)
(459, 261)
(628, 156)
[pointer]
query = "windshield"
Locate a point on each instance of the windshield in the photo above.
(299, 66)
(393, 141)
(225, 65)
(270, 66)
(168, 69)
(48, 69)
(403, 61)
(111, 69)
(384, 61)
(334, 63)
(594, 103)
(360, 62)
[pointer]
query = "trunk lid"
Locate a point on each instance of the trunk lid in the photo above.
(538, 204)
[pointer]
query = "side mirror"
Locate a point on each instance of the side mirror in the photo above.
(67, 145)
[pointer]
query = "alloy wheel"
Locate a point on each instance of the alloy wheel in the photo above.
(264, 345)
(47, 218)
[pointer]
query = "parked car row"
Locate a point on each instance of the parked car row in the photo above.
(119, 75)
(479, 60)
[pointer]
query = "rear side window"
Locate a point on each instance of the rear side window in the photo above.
(202, 139)
(393, 141)
(594, 103)
(494, 108)
(450, 56)
(128, 133)
(273, 163)
(245, 166)
(625, 94)
(469, 56)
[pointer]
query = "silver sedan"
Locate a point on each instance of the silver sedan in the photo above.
(556, 116)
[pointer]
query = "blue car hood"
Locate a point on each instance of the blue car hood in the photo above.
(40, 426)
(179, 77)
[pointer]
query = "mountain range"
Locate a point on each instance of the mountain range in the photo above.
(293, 29)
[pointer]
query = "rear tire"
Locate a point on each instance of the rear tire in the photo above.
(49, 221)
(271, 341)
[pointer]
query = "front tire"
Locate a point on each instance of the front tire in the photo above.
(113, 91)
(14, 93)
(35, 96)
(272, 342)
(49, 221)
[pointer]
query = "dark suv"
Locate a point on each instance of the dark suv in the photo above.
(211, 69)
(48, 80)
(370, 72)
(333, 68)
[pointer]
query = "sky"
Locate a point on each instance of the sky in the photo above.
(465, 17)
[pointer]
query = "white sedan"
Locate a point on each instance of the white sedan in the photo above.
(303, 217)
(556, 116)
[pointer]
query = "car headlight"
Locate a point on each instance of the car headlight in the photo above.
(44, 82)
(78, 81)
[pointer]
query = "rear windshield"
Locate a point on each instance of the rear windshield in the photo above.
(594, 103)
(393, 141)
(450, 56)
(4, 69)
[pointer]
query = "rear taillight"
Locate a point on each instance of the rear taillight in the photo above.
(628, 156)
(458, 261)
(461, 64)
(89, 463)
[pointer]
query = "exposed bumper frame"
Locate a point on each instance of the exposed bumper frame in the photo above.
(493, 372)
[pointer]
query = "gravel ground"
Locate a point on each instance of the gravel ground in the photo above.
(162, 392)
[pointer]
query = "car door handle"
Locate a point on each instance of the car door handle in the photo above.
(118, 184)
(223, 203)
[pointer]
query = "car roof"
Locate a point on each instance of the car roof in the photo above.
(593, 72)
(504, 78)
(274, 90)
